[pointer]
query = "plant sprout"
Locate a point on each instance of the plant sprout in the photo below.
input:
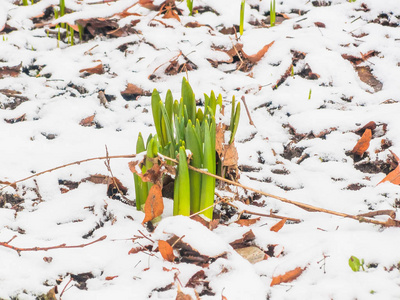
(189, 4)
(272, 13)
(241, 16)
(182, 127)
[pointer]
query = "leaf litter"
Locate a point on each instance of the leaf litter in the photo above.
(298, 148)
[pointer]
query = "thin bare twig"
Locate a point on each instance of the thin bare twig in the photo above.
(248, 112)
(62, 246)
(108, 166)
(67, 165)
(304, 206)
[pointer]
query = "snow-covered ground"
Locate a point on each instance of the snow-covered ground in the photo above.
(346, 70)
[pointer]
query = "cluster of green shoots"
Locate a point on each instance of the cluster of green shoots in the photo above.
(70, 32)
(182, 126)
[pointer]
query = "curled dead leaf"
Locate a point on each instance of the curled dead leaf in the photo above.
(10, 71)
(278, 226)
(363, 143)
(287, 277)
(93, 70)
(247, 222)
(132, 92)
(366, 76)
(166, 251)
(108, 278)
(154, 205)
(88, 121)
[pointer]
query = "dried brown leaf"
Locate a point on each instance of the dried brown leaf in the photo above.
(256, 57)
(94, 70)
(166, 250)
(230, 157)
(154, 205)
(252, 254)
(366, 76)
(287, 277)
(10, 71)
(16, 120)
(363, 143)
(278, 226)
(88, 121)
(247, 222)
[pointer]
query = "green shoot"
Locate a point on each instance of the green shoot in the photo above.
(309, 94)
(80, 27)
(272, 13)
(189, 4)
(62, 7)
(242, 4)
(292, 72)
(71, 30)
(182, 197)
(25, 2)
(355, 264)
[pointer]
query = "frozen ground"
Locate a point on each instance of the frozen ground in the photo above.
(346, 70)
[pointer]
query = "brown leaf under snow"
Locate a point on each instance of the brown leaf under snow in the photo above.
(16, 120)
(370, 125)
(366, 76)
(363, 143)
(394, 176)
(278, 226)
(114, 187)
(133, 92)
(287, 277)
(88, 121)
(166, 251)
(247, 222)
(244, 241)
(252, 254)
(10, 71)
(94, 70)
(244, 61)
(154, 205)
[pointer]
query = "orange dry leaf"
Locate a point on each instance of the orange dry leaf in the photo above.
(166, 251)
(287, 277)
(394, 176)
(247, 222)
(94, 70)
(278, 225)
(111, 277)
(154, 205)
(363, 144)
(87, 121)
(256, 57)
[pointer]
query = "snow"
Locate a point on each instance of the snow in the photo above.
(321, 243)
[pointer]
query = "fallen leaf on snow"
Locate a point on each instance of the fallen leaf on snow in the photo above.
(10, 71)
(132, 92)
(247, 222)
(88, 121)
(394, 176)
(252, 254)
(278, 226)
(154, 205)
(166, 250)
(287, 277)
(94, 70)
(363, 143)
(366, 76)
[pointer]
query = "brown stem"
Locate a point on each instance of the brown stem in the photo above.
(299, 204)
(67, 165)
(62, 246)
(247, 111)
